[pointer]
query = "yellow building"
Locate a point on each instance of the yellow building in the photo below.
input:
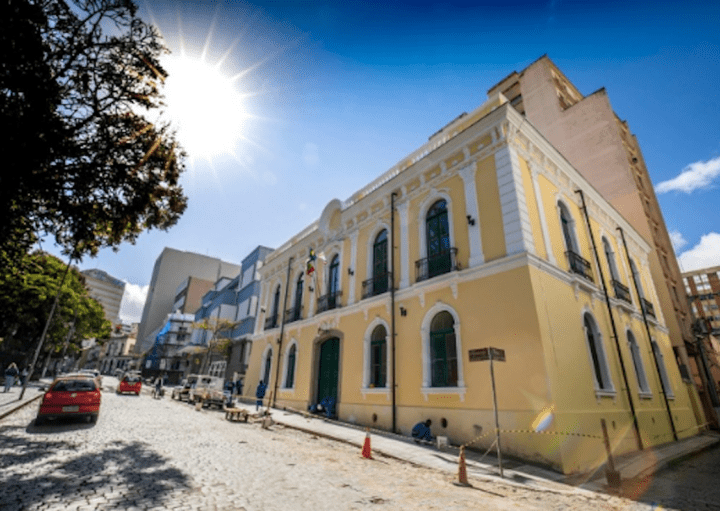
(497, 242)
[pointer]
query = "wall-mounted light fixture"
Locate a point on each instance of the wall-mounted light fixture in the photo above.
(351, 272)
(262, 309)
(403, 311)
(470, 220)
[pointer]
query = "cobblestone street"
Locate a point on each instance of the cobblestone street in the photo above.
(162, 454)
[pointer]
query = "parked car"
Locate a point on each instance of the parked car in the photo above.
(130, 383)
(95, 374)
(208, 390)
(70, 396)
(181, 392)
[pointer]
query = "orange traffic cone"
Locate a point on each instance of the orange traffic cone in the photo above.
(462, 469)
(366, 452)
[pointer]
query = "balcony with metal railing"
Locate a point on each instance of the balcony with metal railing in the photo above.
(377, 285)
(621, 291)
(648, 307)
(293, 314)
(437, 264)
(579, 265)
(272, 321)
(329, 301)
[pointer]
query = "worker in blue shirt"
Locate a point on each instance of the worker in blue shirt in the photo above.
(421, 432)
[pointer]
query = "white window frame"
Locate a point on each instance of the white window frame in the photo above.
(367, 341)
(422, 217)
(426, 388)
(286, 358)
(602, 356)
(660, 360)
(638, 365)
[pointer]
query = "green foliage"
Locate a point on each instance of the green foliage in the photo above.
(27, 293)
(83, 162)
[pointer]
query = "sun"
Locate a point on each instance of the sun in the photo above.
(204, 105)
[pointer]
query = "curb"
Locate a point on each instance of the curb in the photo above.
(13, 410)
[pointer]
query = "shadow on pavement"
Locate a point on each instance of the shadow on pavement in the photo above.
(45, 471)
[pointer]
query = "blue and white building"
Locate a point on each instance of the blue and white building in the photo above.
(236, 301)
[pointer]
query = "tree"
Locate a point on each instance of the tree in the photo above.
(83, 162)
(26, 297)
(220, 342)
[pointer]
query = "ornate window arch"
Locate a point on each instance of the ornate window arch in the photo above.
(265, 372)
(423, 211)
(638, 365)
(598, 358)
(290, 365)
(442, 348)
(567, 224)
(370, 355)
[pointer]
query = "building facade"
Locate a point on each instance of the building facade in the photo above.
(232, 302)
(594, 140)
(107, 290)
(172, 269)
(703, 291)
(485, 237)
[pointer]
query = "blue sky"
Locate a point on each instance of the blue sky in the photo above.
(335, 93)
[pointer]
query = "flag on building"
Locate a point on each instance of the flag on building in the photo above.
(310, 263)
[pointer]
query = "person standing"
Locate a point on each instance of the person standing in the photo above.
(24, 376)
(260, 394)
(10, 374)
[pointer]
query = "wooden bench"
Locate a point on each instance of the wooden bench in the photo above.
(236, 414)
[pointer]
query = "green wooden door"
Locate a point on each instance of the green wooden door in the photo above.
(329, 369)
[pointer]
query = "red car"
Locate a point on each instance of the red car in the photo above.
(130, 383)
(70, 396)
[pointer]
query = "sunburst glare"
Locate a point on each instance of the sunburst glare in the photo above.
(204, 105)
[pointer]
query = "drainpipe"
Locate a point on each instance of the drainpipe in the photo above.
(647, 331)
(282, 331)
(636, 425)
(392, 307)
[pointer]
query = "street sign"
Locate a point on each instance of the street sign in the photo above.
(498, 354)
(480, 354)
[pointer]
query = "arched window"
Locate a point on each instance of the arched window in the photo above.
(275, 318)
(568, 229)
(333, 282)
(638, 364)
(380, 263)
(644, 302)
(378, 357)
(610, 256)
(437, 240)
(443, 352)
(268, 365)
(660, 361)
(576, 262)
(621, 290)
(597, 354)
(290, 371)
(297, 309)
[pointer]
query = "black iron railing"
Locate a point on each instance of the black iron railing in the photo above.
(579, 265)
(648, 307)
(377, 285)
(294, 314)
(272, 321)
(329, 301)
(621, 291)
(437, 264)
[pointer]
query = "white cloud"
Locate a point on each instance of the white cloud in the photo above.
(311, 155)
(677, 240)
(703, 255)
(133, 301)
(695, 176)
